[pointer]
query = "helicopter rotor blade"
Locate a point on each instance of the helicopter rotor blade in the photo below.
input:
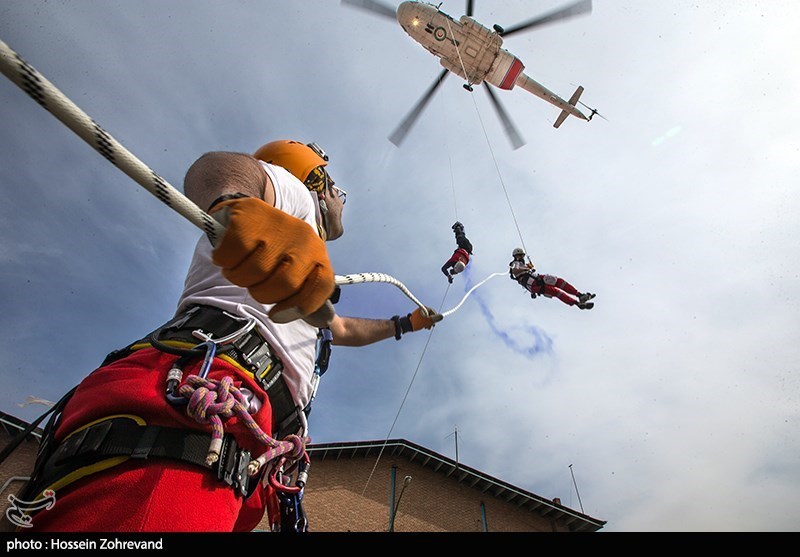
(470, 7)
(511, 131)
(378, 8)
(399, 134)
(571, 10)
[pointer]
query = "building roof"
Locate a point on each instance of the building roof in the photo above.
(553, 509)
(13, 426)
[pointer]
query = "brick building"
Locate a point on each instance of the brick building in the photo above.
(380, 486)
(351, 487)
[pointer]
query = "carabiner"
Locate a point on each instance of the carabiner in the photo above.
(293, 516)
(176, 374)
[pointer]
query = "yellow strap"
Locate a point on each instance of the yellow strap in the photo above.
(184, 344)
(97, 466)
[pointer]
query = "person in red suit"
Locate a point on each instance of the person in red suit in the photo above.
(460, 258)
(549, 286)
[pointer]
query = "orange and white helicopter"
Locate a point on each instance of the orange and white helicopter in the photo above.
(474, 53)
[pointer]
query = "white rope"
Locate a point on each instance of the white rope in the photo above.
(27, 78)
(46, 94)
(491, 151)
(455, 43)
(379, 277)
(471, 290)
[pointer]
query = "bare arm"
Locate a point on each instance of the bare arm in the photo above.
(219, 173)
(356, 331)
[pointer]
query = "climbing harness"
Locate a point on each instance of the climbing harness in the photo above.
(111, 441)
(116, 439)
(324, 341)
(45, 444)
(238, 342)
(209, 344)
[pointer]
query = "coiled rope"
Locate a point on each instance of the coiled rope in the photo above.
(27, 78)
(211, 400)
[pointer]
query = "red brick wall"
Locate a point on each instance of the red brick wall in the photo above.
(346, 495)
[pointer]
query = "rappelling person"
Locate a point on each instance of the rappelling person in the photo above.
(546, 285)
(176, 431)
(460, 258)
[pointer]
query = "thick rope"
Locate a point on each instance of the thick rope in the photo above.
(211, 400)
(27, 78)
(379, 277)
(54, 101)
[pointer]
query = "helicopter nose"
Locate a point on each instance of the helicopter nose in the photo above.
(405, 13)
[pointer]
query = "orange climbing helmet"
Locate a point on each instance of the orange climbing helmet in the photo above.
(305, 162)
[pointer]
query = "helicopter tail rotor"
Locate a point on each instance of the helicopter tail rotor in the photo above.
(593, 111)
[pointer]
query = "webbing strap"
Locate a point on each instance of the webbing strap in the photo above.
(123, 437)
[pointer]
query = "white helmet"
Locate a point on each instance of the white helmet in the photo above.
(517, 251)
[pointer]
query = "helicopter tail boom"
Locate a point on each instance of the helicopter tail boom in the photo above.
(573, 100)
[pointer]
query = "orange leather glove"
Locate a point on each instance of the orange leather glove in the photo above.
(416, 320)
(277, 257)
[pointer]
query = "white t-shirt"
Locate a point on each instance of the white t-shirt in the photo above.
(294, 342)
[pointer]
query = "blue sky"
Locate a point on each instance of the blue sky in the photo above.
(675, 399)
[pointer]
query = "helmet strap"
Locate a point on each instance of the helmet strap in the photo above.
(322, 222)
(320, 210)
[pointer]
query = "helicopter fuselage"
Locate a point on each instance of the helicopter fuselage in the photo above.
(472, 51)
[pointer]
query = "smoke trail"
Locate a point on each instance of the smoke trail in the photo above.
(540, 342)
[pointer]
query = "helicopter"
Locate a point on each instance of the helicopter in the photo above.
(474, 53)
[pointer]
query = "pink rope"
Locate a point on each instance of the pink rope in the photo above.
(210, 401)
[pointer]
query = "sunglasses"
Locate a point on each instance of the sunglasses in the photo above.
(340, 193)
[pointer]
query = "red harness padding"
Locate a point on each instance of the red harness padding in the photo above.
(154, 495)
(458, 255)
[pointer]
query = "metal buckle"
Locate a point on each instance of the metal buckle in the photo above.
(266, 367)
(232, 465)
